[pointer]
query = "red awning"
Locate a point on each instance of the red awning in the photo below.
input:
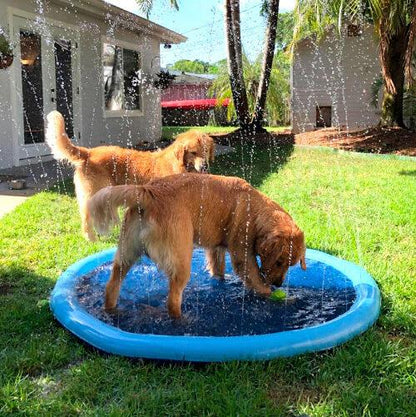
(200, 104)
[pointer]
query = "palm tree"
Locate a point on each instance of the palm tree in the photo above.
(272, 11)
(232, 22)
(276, 107)
(395, 26)
(235, 62)
(147, 5)
(247, 122)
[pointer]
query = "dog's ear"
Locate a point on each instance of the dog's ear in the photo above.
(303, 262)
(211, 150)
(207, 142)
(270, 244)
(179, 151)
(299, 248)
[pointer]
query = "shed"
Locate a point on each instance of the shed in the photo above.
(332, 80)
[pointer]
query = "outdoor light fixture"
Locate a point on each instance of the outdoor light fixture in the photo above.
(167, 46)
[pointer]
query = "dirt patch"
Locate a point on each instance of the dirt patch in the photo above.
(375, 140)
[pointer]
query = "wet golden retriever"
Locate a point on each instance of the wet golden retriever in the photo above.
(99, 167)
(167, 216)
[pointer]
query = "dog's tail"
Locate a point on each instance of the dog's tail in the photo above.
(102, 207)
(59, 141)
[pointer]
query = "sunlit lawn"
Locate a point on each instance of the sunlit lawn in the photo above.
(353, 206)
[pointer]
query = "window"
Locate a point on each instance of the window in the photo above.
(32, 87)
(121, 70)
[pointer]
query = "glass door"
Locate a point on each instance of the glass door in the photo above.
(47, 79)
(63, 51)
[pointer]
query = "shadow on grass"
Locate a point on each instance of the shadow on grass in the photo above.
(254, 162)
(410, 173)
(251, 161)
(63, 187)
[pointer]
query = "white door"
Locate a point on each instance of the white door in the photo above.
(47, 78)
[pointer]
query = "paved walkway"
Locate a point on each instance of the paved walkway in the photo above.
(38, 177)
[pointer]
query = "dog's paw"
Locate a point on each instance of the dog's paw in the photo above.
(110, 309)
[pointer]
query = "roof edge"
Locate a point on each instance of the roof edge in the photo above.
(127, 20)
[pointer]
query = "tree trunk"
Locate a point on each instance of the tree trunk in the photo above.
(268, 55)
(392, 57)
(235, 62)
(410, 44)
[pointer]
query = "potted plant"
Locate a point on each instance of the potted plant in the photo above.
(164, 80)
(6, 52)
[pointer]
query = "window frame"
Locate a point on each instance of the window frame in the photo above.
(132, 47)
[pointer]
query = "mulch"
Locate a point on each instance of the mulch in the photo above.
(376, 140)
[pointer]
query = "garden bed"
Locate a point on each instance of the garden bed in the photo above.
(375, 140)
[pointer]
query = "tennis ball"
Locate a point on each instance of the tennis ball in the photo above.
(278, 295)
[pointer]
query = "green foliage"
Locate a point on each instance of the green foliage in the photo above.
(278, 95)
(5, 47)
(197, 66)
(164, 80)
(314, 17)
(284, 32)
(147, 5)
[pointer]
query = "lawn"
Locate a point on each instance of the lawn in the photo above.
(358, 207)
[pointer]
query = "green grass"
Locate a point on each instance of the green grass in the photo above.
(353, 206)
(169, 132)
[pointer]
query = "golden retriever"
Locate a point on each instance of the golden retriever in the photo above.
(167, 216)
(99, 167)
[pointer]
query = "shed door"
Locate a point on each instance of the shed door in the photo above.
(323, 116)
(46, 80)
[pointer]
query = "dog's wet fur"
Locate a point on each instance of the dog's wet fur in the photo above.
(167, 216)
(96, 168)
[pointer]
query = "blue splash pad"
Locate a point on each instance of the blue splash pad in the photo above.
(329, 303)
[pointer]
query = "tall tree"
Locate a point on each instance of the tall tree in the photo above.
(232, 21)
(395, 26)
(278, 93)
(235, 62)
(247, 122)
(268, 55)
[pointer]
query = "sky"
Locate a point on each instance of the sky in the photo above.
(201, 21)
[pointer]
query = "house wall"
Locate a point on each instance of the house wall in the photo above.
(336, 72)
(94, 127)
(6, 123)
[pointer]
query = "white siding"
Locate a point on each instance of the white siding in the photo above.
(95, 129)
(336, 72)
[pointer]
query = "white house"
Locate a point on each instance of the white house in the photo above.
(93, 62)
(332, 81)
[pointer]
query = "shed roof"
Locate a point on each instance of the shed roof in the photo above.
(183, 77)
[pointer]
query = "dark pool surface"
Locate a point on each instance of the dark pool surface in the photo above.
(213, 307)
